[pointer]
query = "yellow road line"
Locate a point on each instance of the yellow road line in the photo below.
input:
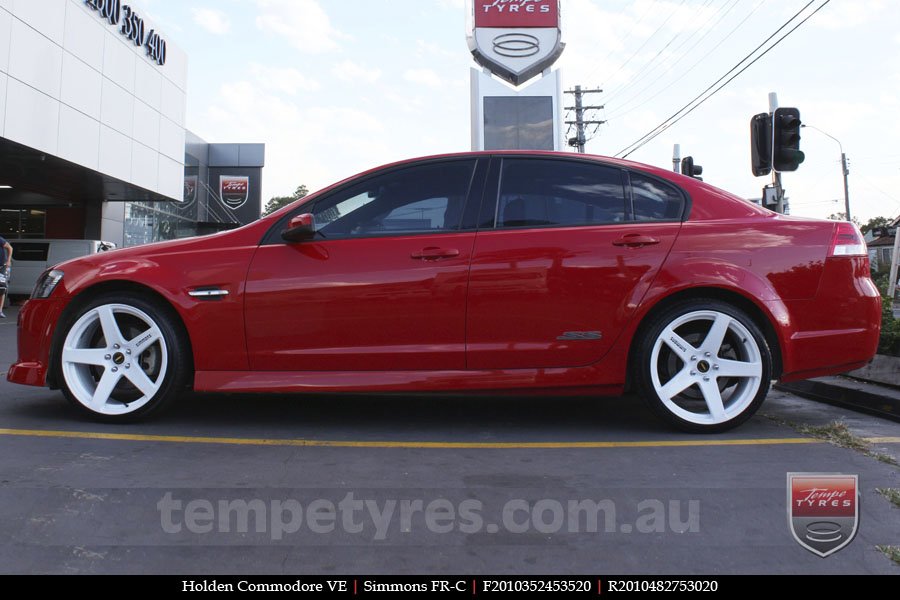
(883, 440)
(130, 437)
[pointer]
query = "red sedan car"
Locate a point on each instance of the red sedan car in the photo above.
(484, 273)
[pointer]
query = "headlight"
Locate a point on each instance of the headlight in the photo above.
(46, 283)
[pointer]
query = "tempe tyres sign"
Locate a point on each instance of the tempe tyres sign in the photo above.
(516, 39)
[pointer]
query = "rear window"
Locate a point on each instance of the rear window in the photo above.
(655, 200)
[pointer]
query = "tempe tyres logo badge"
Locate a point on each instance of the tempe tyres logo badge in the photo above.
(516, 39)
(823, 510)
(234, 190)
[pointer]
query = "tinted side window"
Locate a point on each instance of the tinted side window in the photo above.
(418, 199)
(655, 200)
(538, 193)
(30, 251)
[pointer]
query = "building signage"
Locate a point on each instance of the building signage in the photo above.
(234, 190)
(516, 39)
(190, 190)
(132, 27)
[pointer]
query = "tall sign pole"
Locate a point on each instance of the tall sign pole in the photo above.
(516, 94)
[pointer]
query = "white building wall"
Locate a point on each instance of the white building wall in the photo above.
(71, 85)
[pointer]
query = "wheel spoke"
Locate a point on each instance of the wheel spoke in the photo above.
(716, 335)
(108, 323)
(85, 356)
(713, 399)
(734, 368)
(677, 384)
(144, 340)
(104, 388)
(678, 344)
(141, 381)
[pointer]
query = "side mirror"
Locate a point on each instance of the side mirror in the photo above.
(301, 229)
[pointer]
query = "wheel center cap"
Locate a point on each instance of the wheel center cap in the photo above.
(703, 366)
(118, 358)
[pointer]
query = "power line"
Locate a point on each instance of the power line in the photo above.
(684, 72)
(642, 46)
(622, 41)
(689, 69)
(668, 122)
(678, 116)
(652, 65)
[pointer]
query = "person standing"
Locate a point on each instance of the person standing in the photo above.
(7, 268)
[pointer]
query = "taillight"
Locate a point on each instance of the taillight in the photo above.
(847, 241)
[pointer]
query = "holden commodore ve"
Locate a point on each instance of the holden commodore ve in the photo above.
(484, 273)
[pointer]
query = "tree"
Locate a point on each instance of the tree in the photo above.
(281, 201)
(876, 222)
(843, 217)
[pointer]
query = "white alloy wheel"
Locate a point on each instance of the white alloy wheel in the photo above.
(725, 366)
(115, 359)
(703, 365)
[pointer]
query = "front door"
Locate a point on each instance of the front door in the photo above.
(381, 287)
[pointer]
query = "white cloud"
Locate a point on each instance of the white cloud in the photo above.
(424, 49)
(304, 23)
(353, 72)
(286, 80)
(213, 21)
(453, 4)
(423, 77)
(838, 15)
(299, 137)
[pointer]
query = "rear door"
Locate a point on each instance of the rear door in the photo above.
(570, 250)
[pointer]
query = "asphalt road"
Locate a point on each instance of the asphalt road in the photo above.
(276, 485)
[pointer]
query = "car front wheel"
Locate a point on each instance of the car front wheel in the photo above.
(704, 366)
(123, 358)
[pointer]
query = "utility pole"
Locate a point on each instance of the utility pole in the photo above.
(776, 175)
(846, 172)
(580, 122)
(845, 169)
(676, 158)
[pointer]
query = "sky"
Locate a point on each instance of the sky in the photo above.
(336, 87)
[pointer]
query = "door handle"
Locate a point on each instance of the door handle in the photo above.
(636, 240)
(435, 253)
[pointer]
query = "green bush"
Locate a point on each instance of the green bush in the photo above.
(890, 327)
(890, 330)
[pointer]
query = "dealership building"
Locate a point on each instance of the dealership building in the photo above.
(93, 142)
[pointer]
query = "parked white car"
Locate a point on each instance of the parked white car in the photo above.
(32, 257)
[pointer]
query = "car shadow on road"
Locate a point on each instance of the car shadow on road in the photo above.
(445, 418)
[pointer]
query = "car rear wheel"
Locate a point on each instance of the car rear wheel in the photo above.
(123, 358)
(704, 366)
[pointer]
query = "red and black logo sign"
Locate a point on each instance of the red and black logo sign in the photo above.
(234, 190)
(823, 510)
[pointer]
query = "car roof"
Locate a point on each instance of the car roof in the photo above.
(532, 154)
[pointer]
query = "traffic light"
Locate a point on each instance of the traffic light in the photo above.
(786, 155)
(690, 169)
(761, 144)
